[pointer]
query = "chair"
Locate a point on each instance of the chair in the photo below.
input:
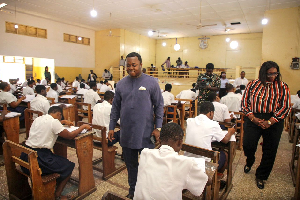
(108, 153)
(294, 167)
(29, 118)
(51, 100)
(212, 191)
(42, 187)
(297, 187)
(3, 106)
(173, 113)
(188, 105)
(294, 120)
(240, 129)
(79, 98)
(82, 113)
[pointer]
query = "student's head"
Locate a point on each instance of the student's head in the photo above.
(47, 79)
(101, 82)
(28, 80)
(38, 80)
(82, 85)
(105, 82)
(151, 65)
(212, 97)
(82, 81)
(229, 88)
(31, 78)
(55, 112)
(93, 86)
(179, 58)
(172, 135)
(63, 79)
(122, 57)
(193, 90)
(168, 87)
(77, 78)
(298, 93)
(186, 62)
(238, 91)
(207, 108)
(109, 96)
(134, 64)
(4, 86)
(194, 85)
(243, 74)
(269, 72)
(30, 83)
(209, 69)
(53, 86)
(41, 89)
(58, 81)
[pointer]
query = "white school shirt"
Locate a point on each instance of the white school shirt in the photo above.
(75, 84)
(44, 132)
(168, 98)
(221, 112)
(239, 81)
(101, 116)
(294, 98)
(53, 94)
(297, 104)
(163, 174)
(105, 88)
(82, 91)
(25, 84)
(91, 97)
(200, 132)
(186, 94)
(28, 91)
(7, 98)
(59, 88)
(13, 88)
(40, 103)
(63, 85)
(44, 82)
(86, 86)
(99, 85)
(232, 101)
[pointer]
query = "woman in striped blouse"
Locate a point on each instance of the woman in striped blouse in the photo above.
(266, 102)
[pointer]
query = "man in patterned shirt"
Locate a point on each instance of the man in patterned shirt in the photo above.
(207, 82)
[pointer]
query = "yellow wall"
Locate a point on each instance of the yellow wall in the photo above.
(281, 42)
(38, 68)
(69, 73)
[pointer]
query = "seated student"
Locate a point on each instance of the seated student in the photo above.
(59, 88)
(85, 85)
(38, 82)
(29, 88)
(42, 137)
(297, 101)
(82, 89)
(167, 95)
(40, 102)
(106, 86)
(75, 82)
(25, 83)
(163, 174)
(63, 83)
(11, 101)
(45, 81)
(52, 93)
(201, 130)
(231, 100)
(13, 86)
(187, 94)
(101, 116)
(91, 96)
(99, 85)
(221, 113)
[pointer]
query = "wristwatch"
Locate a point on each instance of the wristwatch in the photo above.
(158, 129)
(269, 122)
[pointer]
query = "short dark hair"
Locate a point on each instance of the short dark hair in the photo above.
(210, 66)
(55, 109)
(30, 82)
(101, 82)
(108, 95)
(238, 91)
(243, 72)
(135, 54)
(206, 107)
(242, 87)
(115, 85)
(194, 85)
(82, 85)
(92, 84)
(39, 88)
(105, 81)
(82, 80)
(37, 80)
(58, 80)
(212, 96)
(193, 90)
(171, 131)
(168, 87)
(298, 92)
(53, 85)
(3, 85)
(77, 78)
(229, 87)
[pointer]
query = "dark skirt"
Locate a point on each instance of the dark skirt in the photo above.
(50, 163)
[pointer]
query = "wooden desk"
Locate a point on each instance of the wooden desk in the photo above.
(69, 113)
(69, 100)
(11, 127)
(84, 150)
(181, 108)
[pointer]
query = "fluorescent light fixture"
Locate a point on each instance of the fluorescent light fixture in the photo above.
(264, 21)
(234, 44)
(93, 13)
(164, 44)
(16, 26)
(150, 33)
(227, 30)
(228, 39)
(79, 38)
(2, 5)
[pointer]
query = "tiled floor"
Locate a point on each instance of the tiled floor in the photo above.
(279, 185)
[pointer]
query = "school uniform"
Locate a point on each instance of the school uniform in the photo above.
(297, 104)
(82, 91)
(13, 88)
(105, 88)
(53, 94)
(59, 88)
(42, 137)
(221, 112)
(28, 91)
(75, 84)
(232, 101)
(7, 98)
(39, 103)
(168, 98)
(91, 97)
(99, 85)
(44, 82)
(163, 174)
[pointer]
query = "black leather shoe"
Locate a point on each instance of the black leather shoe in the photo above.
(129, 196)
(260, 183)
(247, 169)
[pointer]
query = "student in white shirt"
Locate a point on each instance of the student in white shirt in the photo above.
(12, 102)
(28, 90)
(25, 83)
(202, 129)
(187, 94)
(295, 97)
(231, 100)
(106, 86)
(75, 82)
(163, 174)
(241, 80)
(42, 137)
(45, 81)
(101, 116)
(167, 95)
(91, 96)
(221, 113)
(40, 102)
(38, 82)
(297, 101)
(59, 87)
(52, 93)
(85, 85)
(63, 84)
(13, 86)
(99, 85)
(82, 89)
(224, 82)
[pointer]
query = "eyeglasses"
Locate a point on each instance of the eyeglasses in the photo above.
(272, 74)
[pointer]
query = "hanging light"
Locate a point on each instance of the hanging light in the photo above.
(228, 39)
(164, 44)
(150, 33)
(79, 38)
(93, 12)
(234, 44)
(264, 21)
(176, 46)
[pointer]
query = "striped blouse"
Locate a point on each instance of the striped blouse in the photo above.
(258, 98)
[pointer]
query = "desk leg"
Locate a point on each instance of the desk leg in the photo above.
(60, 149)
(182, 113)
(84, 150)
(12, 128)
(72, 113)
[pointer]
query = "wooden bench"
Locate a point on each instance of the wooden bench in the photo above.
(108, 153)
(80, 113)
(240, 129)
(112, 196)
(297, 184)
(294, 120)
(29, 118)
(42, 187)
(188, 104)
(174, 113)
(295, 155)
(211, 191)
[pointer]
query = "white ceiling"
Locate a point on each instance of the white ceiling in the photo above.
(169, 17)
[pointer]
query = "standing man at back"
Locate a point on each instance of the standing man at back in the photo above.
(137, 98)
(241, 81)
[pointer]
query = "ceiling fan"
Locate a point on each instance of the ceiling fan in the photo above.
(110, 32)
(200, 25)
(163, 35)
